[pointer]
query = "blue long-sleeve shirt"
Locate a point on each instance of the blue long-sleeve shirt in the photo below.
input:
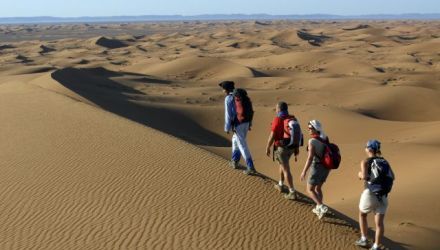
(230, 113)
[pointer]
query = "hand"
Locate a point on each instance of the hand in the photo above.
(360, 175)
(303, 176)
(268, 151)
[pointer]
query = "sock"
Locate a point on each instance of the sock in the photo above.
(291, 190)
(375, 246)
(363, 238)
(280, 183)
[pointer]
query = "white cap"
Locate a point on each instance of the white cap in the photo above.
(318, 127)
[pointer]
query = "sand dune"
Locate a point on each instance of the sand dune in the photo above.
(198, 68)
(99, 181)
(358, 27)
(112, 134)
(109, 43)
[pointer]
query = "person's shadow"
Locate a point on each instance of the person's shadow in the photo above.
(95, 85)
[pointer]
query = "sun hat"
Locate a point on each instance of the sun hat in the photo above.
(318, 127)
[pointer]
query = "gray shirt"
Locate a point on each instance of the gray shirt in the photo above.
(319, 150)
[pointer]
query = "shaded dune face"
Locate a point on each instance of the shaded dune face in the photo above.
(111, 104)
(96, 86)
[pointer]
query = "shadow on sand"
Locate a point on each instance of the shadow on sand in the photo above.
(95, 85)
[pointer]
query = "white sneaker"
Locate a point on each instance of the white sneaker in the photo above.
(324, 209)
(361, 243)
(290, 195)
(320, 211)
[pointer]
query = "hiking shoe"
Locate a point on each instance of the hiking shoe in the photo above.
(322, 211)
(290, 196)
(375, 248)
(249, 172)
(281, 188)
(320, 214)
(361, 243)
(234, 164)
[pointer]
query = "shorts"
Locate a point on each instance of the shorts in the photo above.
(370, 203)
(283, 155)
(318, 174)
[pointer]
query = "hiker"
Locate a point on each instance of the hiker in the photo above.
(238, 119)
(378, 179)
(318, 173)
(286, 137)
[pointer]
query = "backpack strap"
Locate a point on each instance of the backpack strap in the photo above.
(317, 137)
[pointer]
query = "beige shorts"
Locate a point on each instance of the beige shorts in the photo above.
(370, 203)
(282, 155)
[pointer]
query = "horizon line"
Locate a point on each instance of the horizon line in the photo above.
(232, 14)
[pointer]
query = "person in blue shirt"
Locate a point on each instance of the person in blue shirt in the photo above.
(240, 130)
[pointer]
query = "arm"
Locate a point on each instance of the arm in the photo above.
(309, 160)
(269, 143)
(363, 174)
(229, 113)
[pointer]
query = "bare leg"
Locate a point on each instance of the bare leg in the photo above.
(363, 224)
(318, 191)
(286, 173)
(281, 173)
(311, 190)
(380, 228)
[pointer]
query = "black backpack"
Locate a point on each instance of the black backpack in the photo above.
(243, 106)
(381, 177)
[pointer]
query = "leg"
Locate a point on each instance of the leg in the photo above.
(318, 191)
(311, 190)
(363, 224)
(380, 228)
(285, 170)
(240, 133)
(236, 155)
(281, 173)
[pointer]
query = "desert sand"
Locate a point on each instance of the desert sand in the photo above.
(112, 135)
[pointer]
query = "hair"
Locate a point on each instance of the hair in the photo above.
(227, 85)
(283, 106)
(374, 151)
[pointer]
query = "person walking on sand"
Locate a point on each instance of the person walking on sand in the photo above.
(286, 137)
(238, 119)
(378, 177)
(318, 174)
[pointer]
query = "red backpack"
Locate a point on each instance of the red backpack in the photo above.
(243, 106)
(331, 159)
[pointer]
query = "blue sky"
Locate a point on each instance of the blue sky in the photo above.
(73, 8)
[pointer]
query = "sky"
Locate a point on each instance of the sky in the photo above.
(75, 8)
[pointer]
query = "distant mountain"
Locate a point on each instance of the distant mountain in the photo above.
(48, 19)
